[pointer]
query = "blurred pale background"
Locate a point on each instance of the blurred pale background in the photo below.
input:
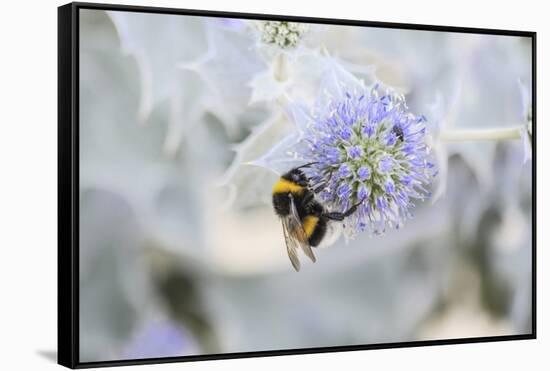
(180, 252)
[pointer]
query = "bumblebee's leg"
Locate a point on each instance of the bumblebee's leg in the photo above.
(334, 216)
(341, 216)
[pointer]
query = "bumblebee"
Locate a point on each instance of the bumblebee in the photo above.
(305, 220)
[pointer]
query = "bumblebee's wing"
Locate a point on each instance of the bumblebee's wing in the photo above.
(297, 231)
(291, 247)
(295, 236)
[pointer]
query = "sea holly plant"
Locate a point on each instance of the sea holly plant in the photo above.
(367, 148)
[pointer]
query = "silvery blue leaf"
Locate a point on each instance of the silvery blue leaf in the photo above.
(228, 62)
(248, 182)
(335, 82)
(290, 76)
(150, 39)
(525, 99)
(116, 147)
(526, 140)
(266, 88)
(526, 135)
(281, 157)
(109, 248)
(489, 100)
(301, 117)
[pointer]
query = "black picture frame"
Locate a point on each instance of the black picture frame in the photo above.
(68, 183)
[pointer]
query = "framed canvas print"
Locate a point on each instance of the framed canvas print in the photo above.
(239, 185)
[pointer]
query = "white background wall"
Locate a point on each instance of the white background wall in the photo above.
(28, 168)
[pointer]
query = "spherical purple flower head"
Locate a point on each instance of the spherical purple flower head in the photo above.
(368, 147)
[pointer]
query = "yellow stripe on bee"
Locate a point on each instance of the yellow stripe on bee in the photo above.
(309, 223)
(285, 186)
